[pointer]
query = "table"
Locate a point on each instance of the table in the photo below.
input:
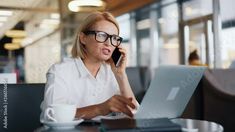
(188, 125)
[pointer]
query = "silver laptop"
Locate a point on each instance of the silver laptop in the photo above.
(170, 91)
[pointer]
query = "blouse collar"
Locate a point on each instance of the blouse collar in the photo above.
(84, 72)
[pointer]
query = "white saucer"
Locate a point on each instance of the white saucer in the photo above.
(62, 125)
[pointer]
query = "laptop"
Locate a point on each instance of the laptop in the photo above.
(170, 91)
(168, 94)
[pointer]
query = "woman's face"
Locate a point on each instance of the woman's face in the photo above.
(98, 51)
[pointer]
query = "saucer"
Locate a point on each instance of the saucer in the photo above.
(62, 125)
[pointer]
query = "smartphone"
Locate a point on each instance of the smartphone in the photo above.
(116, 56)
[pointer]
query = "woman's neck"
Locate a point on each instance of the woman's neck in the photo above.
(92, 66)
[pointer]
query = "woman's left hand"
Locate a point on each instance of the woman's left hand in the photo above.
(120, 69)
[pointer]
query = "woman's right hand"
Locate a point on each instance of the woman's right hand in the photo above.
(117, 103)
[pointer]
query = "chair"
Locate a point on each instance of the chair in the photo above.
(145, 77)
(194, 108)
(219, 97)
(23, 106)
(139, 78)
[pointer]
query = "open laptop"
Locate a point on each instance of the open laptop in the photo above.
(169, 92)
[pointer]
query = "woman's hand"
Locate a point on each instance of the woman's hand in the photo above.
(121, 76)
(117, 103)
(122, 65)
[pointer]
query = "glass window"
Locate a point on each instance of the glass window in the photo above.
(228, 33)
(228, 47)
(196, 8)
(168, 34)
(124, 24)
(143, 36)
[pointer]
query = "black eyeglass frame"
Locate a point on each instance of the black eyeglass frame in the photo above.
(108, 36)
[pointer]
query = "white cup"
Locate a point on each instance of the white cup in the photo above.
(60, 112)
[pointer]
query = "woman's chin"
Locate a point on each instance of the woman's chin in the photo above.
(105, 57)
(102, 59)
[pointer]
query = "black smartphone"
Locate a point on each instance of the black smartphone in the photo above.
(116, 56)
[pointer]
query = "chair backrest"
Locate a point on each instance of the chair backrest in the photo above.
(219, 97)
(22, 106)
(194, 108)
(139, 78)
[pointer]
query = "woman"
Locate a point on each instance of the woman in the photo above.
(90, 79)
(194, 59)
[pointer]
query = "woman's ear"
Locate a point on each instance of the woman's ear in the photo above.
(82, 38)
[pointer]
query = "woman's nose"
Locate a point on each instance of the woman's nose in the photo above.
(108, 42)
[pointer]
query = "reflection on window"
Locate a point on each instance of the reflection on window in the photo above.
(228, 46)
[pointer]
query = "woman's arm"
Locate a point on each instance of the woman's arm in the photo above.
(116, 103)
(88, 112)
(122, 79)
(125, 88)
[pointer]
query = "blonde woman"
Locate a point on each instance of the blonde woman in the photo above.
(90, 79)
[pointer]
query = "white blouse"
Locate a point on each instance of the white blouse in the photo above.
(70, 82)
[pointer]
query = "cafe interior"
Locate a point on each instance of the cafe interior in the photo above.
(35, 34)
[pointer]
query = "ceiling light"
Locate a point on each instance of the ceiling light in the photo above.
(5, 13)
(74, 8)
(12, 46)
(3, 19)
(74, 5)
(17, 40)
(16, 33)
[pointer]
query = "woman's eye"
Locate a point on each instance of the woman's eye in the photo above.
(102, 35)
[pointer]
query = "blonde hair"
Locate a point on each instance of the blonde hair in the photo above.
(78, 49)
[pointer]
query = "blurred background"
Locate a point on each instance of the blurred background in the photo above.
(38, 33)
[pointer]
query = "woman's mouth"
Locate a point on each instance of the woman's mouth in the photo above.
(106, 51)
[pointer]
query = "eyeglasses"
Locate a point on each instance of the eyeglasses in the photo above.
(103, 36)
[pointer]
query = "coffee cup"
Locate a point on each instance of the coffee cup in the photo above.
(60, 112)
